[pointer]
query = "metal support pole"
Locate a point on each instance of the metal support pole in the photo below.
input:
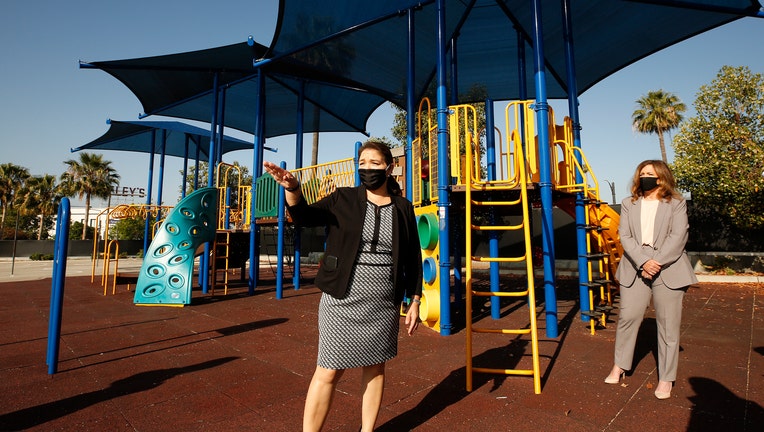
(281, 219)
(444, 178)
(147, 226)
(60, 253)
(257, 168)
(299, 149)
(580, 211)
(410, 107)
(545, 184)
(493, 236)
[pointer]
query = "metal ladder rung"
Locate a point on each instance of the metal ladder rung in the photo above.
(501, 331)
(526, 372)
(595, 255)
(500, 293)
(499, 259)
(495, 203)
(497, 227)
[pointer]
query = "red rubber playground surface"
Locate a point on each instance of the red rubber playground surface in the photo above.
(243, 363)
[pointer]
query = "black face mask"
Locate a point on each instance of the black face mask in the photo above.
(372, 178)
(648, 183)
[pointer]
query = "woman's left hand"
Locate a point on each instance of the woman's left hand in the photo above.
(412, 318)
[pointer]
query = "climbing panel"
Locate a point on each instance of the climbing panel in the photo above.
(168, 266)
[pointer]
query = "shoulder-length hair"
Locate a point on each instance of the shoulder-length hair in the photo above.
(666, 182)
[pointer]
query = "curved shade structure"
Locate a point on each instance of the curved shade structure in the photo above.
(136, 136)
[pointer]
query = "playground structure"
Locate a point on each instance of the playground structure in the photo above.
(492, 192)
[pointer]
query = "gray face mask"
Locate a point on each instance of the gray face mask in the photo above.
(648, 183)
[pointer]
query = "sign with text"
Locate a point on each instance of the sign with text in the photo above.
(128, 191)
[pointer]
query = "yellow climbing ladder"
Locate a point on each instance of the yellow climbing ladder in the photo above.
(513, 186)
(220, 263)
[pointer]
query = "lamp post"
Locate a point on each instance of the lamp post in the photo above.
(612, 189)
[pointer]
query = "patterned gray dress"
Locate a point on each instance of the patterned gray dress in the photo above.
(361, 329)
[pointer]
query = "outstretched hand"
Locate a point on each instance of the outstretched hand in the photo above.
(282, 176)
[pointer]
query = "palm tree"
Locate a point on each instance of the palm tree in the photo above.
(658, 112)
(88, 177)
(12, 178)
(41, 195)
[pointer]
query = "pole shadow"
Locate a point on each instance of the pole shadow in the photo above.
(41, 414)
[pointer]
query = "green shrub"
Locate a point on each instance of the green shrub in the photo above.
(37, 256)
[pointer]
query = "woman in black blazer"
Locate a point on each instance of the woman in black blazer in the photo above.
(653, 231)
(371, 262)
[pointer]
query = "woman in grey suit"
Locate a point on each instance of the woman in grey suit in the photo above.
(653, 231)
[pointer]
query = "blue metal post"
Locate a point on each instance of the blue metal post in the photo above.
(457, 242)
(299, 140)
(545, 183)
(358, 145)
(227, 222)
(493, 237)
(583, 264)
(257, 168)
(196, 166)
(444, 177)
(185, 169)
(60, 254)
(410, 105)
(221, 125)
(160, 187)
(204, 260)
(281, 219)
(147, 226)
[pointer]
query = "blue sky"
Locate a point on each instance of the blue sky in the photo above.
(49, 105)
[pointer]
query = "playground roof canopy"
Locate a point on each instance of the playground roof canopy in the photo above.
(367, 41)
(136, 136)
(352, 56)
(181, 85)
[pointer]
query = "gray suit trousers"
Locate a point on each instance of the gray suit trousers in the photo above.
(668, 312)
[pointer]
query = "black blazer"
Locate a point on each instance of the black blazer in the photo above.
(342, 212)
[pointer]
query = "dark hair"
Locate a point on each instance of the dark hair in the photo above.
(666, 181)
(393, 188)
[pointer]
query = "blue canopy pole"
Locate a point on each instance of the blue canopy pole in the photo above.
(444, 177)
(221, 126)
(522, 90)
(160, 187)
(457, 242)
(299, 144)
(147, 227)
(358, 145)
(545, 183)
(257, 168)
(196, 166)
(280, 218)
(185, 169)
(583, 263)
(204, 261)
(410, 105)
(493, 236)
(60, 253)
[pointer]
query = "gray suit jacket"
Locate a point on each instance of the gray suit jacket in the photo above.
(670, 238)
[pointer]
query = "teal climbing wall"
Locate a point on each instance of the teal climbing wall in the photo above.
(168, 266)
